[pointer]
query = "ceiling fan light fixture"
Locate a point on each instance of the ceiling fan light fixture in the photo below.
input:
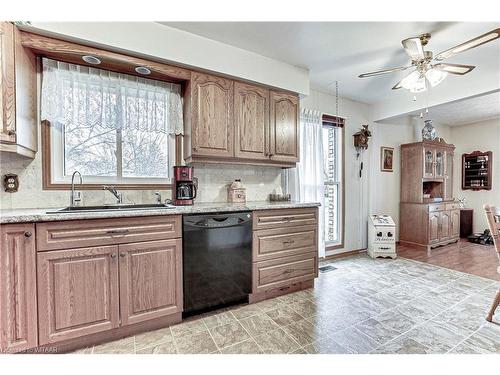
(435, 76)
(419, 86)
(414, 82)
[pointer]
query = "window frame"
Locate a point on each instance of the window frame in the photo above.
(49, 181)
(339, 123)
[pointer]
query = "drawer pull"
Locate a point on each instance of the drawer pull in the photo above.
(288, 219)
(117, 231)
(288, 242)
(286, 272)
(284, 288)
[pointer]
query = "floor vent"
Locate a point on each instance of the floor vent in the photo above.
(327, 268)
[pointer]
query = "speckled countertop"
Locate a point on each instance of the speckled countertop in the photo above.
(40, 214)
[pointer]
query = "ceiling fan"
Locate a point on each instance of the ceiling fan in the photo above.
(429, 68)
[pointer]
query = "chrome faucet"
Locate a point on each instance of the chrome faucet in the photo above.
(75, 196)
(112, 190)
(158, 197)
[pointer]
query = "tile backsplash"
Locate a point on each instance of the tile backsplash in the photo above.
(213, 179)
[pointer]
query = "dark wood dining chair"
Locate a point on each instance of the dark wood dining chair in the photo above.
(493, 215)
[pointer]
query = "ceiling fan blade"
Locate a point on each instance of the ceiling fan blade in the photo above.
(476, 42)
(397, 86)
(385, 71)
(414, 48)
(454, 68)
(400, 83)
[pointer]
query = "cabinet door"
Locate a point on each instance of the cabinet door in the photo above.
(7, 84)
(455, 224)
(18, 312)
(212, 116)
(440, 163)
(150, 280)
(445, 225)
(448, 179)
(429, 163)
(434, 224)
(77, 292)
(251, 116)
(284, 127)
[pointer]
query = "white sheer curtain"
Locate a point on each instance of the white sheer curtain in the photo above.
(306, 181)
(75, 94)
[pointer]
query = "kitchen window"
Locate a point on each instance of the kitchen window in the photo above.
(113, 128)
(333, 135)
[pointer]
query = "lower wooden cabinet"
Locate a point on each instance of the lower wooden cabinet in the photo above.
(455, 223)
(18, 311)
(90, 290)
(276, 273)
(429, 225)
(150, 280)
(77, 292)
(285, 251)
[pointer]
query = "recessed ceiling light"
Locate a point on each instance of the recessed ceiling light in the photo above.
(142, 70)
(91, 60)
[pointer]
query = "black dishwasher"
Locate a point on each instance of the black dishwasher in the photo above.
(217, 260)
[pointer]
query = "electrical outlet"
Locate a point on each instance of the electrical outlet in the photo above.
(11, 183)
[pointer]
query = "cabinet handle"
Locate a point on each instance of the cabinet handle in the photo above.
(287, 272)
(28, 234)
(117, 231)
(113, 255)
(195, 149)
(288, 242)
(11, 132)
(288, 219)
(123, 255)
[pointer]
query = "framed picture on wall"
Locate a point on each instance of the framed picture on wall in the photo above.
(386, 159)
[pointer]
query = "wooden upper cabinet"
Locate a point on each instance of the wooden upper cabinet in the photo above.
(284, 127)
(251, 121)
(18, 124)
(7, 83)
(77, 292)
(150, 280)
(212, 116)
(18, 310)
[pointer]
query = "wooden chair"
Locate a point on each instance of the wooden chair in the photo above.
(493, 215)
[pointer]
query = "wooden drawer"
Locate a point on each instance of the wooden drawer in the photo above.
(437, 207)
(276, 243)
(271, 274)
(98, 232)
(452, 206)
(268, 219)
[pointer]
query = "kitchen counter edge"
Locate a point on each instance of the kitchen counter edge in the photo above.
(31, 215)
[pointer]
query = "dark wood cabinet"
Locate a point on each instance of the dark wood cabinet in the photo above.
(466, 222)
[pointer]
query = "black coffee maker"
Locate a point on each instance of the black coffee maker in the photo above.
(184, 186)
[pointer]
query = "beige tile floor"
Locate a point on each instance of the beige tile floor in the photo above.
(364, 306)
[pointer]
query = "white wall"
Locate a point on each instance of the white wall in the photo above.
(482, 136)
(356, 189)
(150, 39)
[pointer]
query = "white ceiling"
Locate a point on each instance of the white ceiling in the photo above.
(340, 51)
(466, 111)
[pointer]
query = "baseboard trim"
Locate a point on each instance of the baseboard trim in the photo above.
(343, 255)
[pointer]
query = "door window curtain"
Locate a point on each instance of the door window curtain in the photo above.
(75, 94)
(306, 181)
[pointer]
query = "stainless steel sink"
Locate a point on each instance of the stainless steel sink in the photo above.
(112, 207)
